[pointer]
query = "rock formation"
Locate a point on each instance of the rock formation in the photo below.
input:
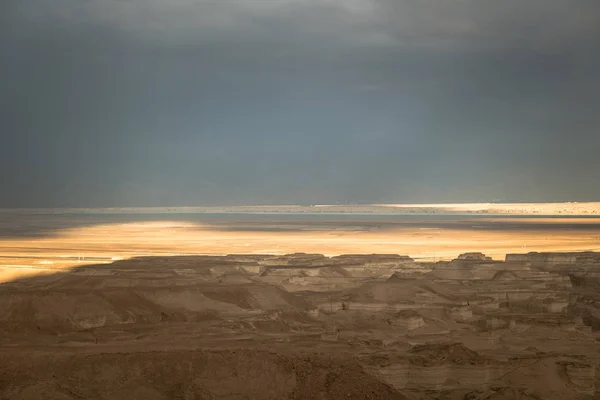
(306, 326)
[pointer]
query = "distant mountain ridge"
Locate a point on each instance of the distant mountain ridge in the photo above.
(565, 208)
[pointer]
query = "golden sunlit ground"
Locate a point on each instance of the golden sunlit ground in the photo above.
(391, 316)
(101, 240)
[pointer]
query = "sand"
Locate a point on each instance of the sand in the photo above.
(241, 326)
(32, 243)
(110, 304)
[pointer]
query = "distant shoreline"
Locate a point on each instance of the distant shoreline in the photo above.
(541, 209)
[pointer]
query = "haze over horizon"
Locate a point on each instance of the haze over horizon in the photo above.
(240, 102)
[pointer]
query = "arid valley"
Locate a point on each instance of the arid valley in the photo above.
(174, 305)
(39, 241)
(299, 200)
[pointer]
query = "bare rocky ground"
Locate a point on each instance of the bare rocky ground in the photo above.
(306, 326)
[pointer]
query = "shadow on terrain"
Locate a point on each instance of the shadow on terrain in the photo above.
(305, 326)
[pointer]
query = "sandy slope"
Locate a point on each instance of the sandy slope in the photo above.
(237, 327)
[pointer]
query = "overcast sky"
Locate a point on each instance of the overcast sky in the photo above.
(197, 102)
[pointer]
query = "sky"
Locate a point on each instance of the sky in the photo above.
(109, 103)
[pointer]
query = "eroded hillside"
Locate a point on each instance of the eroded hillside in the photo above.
(306, 326)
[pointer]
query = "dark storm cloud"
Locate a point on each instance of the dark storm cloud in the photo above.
(147, 102)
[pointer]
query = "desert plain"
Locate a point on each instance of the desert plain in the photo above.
(461, 302)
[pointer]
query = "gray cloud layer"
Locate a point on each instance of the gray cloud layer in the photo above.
(147, 102)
